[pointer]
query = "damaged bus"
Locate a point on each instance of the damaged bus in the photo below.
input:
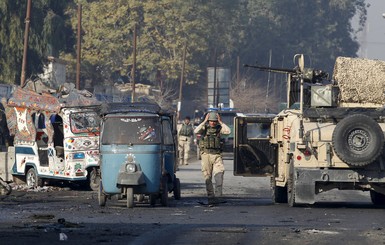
(52, 138)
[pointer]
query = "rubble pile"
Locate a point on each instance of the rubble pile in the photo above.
(360, 80)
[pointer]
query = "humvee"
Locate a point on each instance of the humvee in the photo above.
(320, 145)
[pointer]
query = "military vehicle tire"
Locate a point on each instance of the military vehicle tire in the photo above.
(377, 198)
(358, 140)
(291, 187)
(279, 194)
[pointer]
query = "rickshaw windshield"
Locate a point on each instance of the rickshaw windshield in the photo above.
(84, 122)
(131, 130)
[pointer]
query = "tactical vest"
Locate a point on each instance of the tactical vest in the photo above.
(211, 140)
(186, 130)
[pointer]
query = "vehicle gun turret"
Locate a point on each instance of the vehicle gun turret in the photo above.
(308, 74)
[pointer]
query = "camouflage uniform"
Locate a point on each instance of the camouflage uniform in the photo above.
(212, 163)
(184, 141)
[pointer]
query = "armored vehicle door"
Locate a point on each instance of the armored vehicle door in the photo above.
(254, 155)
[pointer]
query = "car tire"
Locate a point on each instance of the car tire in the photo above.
(358, 140)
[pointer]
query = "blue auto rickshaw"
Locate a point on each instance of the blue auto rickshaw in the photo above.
(137, 153)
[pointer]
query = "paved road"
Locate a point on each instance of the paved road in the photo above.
(249, 217)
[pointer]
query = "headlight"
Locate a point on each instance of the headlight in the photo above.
(130, 158)
(130, 167)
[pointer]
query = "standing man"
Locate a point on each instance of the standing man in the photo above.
(185, 134)
(211, 149)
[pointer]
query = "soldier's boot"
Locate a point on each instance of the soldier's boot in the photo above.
(210, 192)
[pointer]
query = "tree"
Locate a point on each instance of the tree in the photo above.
(163, 29)
(250, 29)
(49, 34)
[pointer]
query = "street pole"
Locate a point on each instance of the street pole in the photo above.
(133, 68)
(27, 22)
(238, 73)
(181, 82)
(215, 99)
(78, 46)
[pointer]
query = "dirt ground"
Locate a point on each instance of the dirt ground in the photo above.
(60, 214)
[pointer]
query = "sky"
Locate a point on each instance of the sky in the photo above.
(373, 39)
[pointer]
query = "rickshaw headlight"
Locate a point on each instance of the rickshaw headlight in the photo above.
(130, 167)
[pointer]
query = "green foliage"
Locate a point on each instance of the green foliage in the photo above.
(209, 29)
(47, 36)
(163, 28)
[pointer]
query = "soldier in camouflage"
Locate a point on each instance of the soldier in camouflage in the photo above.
(211, 149)
(185, 133)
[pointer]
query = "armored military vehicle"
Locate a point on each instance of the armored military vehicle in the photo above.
(329, 136)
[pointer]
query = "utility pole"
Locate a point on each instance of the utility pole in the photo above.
(215, 99)
(181, 82)
(78, 46)
(133, 68)
(26, 33)
(238, 75)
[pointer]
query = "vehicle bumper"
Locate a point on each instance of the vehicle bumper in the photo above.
(136, 178)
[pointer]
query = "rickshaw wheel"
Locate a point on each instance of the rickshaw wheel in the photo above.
(153, 198)
(177, 189)
(130, 197)
(164, 195)
(32, 179)
(94, 179)
(101, 196)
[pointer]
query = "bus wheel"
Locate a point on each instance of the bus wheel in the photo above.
(32, 179)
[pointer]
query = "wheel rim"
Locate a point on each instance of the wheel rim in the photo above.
(31, 179)
(358, 140)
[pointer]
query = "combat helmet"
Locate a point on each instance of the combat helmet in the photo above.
(213, 116)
